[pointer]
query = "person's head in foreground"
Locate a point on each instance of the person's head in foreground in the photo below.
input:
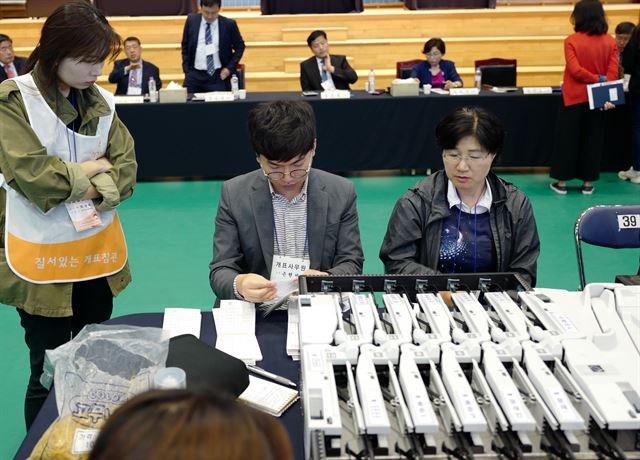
(76, 39)
(283, 136)
(471, 139)
(190, 424)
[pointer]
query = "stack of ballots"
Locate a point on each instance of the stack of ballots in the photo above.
(235, 323)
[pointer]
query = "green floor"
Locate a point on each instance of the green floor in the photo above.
(169, 227)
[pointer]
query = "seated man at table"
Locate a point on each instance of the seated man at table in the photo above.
(285, 218)
(211, 49)
(132, 74)
(10, 64)
(323, 71)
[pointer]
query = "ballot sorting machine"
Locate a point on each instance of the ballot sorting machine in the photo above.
(468, 366)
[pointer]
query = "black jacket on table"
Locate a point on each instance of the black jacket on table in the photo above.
(412, 242)
(342, 76)
(18, 63)
(119, 76)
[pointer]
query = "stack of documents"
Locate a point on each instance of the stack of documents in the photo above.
(180, 321)
(235, 322)
(268, 397)
(293, 339)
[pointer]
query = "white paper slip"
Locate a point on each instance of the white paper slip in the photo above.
(537, 90)
(267, 396)
(439, 91)
(180, 321)
(235, 323)
(463, 91)
(83, 214)
(128, 99)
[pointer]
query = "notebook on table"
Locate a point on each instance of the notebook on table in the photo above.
(267, 396)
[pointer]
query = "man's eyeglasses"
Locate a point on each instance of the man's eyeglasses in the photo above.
(455, 157)
(294, 174)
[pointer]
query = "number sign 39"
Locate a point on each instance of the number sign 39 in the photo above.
(627, 221)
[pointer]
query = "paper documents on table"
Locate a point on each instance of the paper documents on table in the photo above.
(235, 323)
(293, 338)
(180, 321)
(268, 396)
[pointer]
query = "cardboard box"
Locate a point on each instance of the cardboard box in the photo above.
(173, 95)
(408, 87)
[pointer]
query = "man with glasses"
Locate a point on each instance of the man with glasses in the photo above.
(10, 64)
(464, 219)
(285, 218)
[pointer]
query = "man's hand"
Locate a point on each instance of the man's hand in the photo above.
(312, 272)
(255, 288)
(224, 73)
(327, 64)
(132, 66)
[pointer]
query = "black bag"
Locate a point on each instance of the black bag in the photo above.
(206, 366)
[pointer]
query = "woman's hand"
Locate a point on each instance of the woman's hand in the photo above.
(93, 167)
(608, 106)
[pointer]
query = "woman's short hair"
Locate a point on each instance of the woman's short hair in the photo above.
(434, 43)
(282, 130)
(76, 30)
(588, 16)
(193, 424)
(471, 121)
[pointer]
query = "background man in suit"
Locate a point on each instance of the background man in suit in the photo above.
(132, 74)
(211, 49)
(10, 64)
(324, 71)
(283, 213)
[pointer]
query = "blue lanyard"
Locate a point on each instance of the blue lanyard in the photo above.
(275, 235)
(73, 154)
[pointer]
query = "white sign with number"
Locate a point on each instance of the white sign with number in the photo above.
(628, 221)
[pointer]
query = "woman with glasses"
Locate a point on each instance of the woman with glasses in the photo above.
(435, 71)
(464, 219)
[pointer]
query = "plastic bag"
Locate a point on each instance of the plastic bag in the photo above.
(100, 369)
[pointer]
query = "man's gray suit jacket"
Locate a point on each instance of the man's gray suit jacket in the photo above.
(243, 236)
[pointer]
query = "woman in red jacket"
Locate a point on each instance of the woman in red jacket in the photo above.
(591, 56)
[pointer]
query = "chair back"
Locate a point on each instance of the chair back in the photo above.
(403, 68)
(610, 226)
(495, 61)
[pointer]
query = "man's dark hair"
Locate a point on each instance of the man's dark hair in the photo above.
(315, 34)
(588, 16)
(5, 38)
(211, 3)
(282, 130)
(471, 121)
(434, 43)
(625, 27)
(132, 39)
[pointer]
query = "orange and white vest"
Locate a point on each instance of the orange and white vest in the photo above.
(44, 247)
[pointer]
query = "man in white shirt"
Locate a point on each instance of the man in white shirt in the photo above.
(10, 64)
(211, 49)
